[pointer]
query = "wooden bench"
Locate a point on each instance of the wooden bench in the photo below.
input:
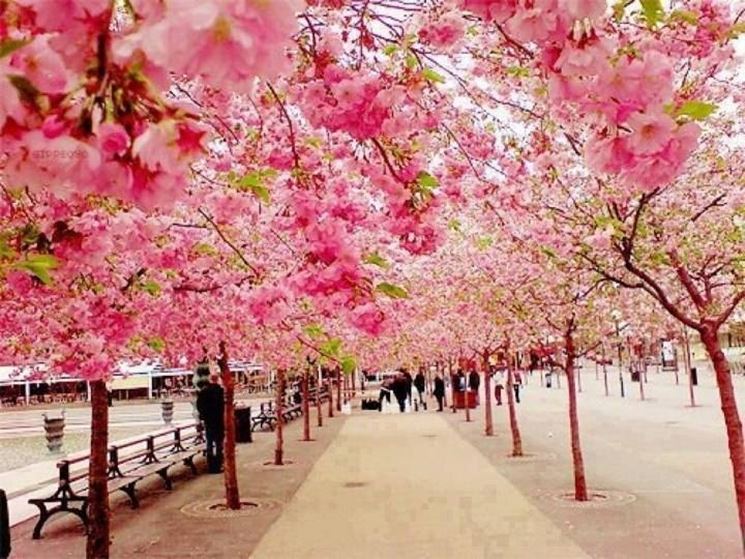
(267, 416)
(129, 463)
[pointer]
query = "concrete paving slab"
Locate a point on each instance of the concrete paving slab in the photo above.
(408, 486)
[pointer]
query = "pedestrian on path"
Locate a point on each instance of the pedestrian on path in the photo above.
(498, 388)
(402, 391)
(409, 382)
(516, 387)
(385, 394)
(419, 383)
(439, 391)
(211, 408)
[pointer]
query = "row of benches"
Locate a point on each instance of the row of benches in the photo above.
(267, 416)
(128, 464)
(131, 462)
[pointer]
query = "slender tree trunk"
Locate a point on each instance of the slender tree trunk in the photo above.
(641, 381)
(97, 545)
(318, 401)
(488, 423)
(580, 484)
(597, 370)
(331, 396)
(710, 338)
(687, 356)
(279, 446)
(306, 408)
(452, 382)
(338, 389)
(517, 443)
(232, 495)
(354, 383)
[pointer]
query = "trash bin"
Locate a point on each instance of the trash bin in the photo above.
(635, 376)
(548, 380)
(694, 376)
(243, 425)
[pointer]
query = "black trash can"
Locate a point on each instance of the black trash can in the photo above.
(243, 425)
(4, 526)
(635, 376)
(548, 380)
(694, 376)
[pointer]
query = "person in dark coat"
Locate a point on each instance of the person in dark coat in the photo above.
(401, 389)
(498, 388)
(460, 381)
(385, 393)
(474, 381)
(439, 391)
(419, 383)
(409, 381)
(211, 408)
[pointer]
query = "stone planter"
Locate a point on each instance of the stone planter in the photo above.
(166, 408)
(54, 429)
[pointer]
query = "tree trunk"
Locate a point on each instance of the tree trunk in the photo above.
(354, 383)
(338, 389)
(318, 403)
(641, 380)
(488, 423)
(97, 545)
(452, 382)
(687, 356)
(306, 408)
(232, 495)
(517, 443)
(710, 338)
(580, 484)
(278, 449)
(331, 396)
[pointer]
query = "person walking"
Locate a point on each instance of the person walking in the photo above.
(211, 408)
(498, 388)
(409, 382)
(402, 390)
(516, 386)
(439, 391)
(385, 393)
(474, 381)
(419, 383)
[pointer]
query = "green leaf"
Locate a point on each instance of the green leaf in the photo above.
(393, 291)
(348, 365)
(653, 12)
(9, 46)
(619, 8)
(255, 182)
(204, 249)
(39, 265)
(696, 110)
(518, 72)
(431, 76)
(484, 242)
(151, 287)
(454, 225)
(157, 344)
(376, 260)
(427, 181)
(313, 330)
(390, 49)
(684, 15)
(331, 348)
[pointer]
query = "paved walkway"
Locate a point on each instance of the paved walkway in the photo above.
(409, 486)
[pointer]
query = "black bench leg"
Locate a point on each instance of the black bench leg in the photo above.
(167, 480)
(132, 494)
(45, 515)
(190, 462)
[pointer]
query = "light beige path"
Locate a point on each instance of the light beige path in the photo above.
(408, 486)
